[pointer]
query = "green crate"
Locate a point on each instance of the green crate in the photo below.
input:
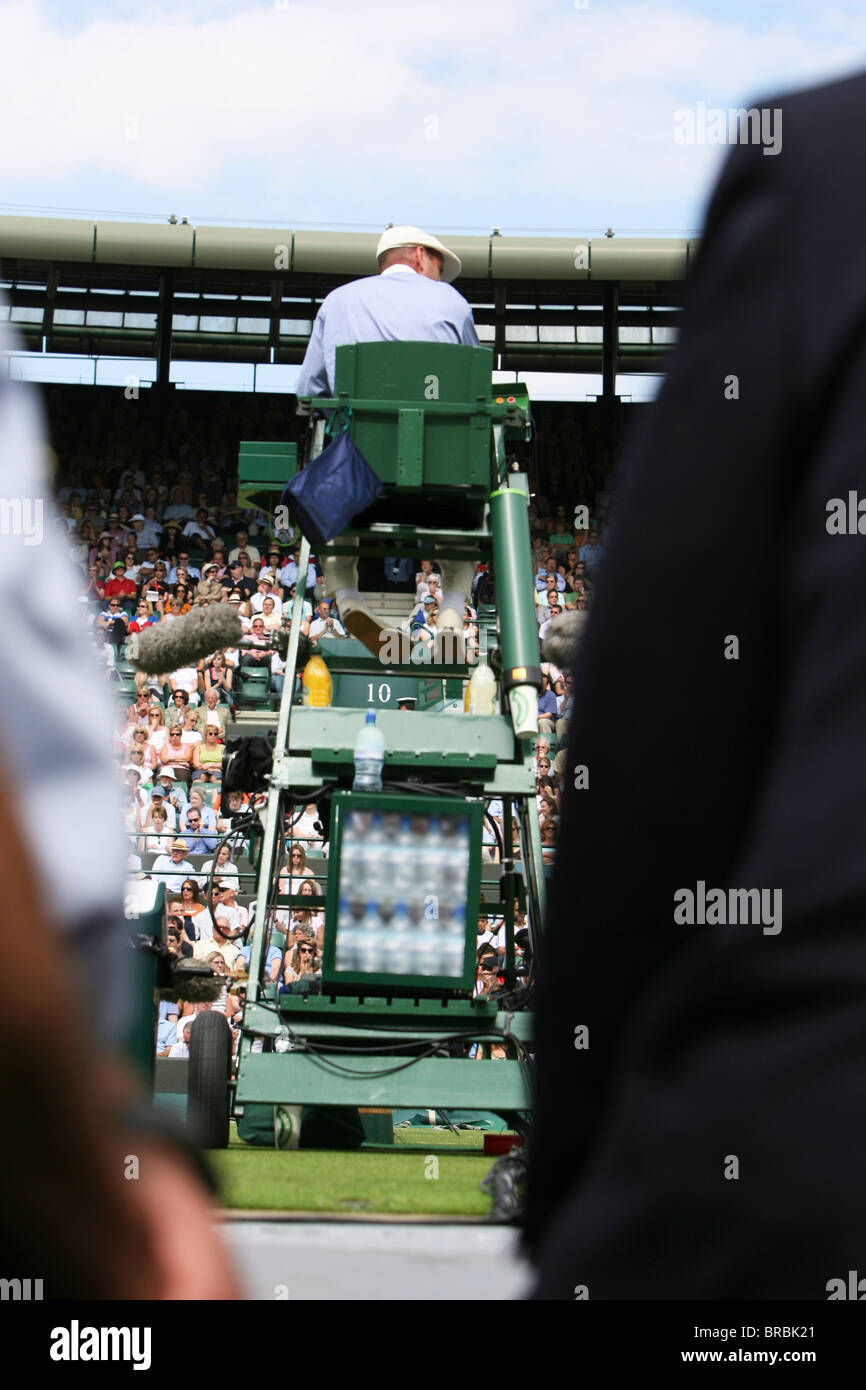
(400, 982)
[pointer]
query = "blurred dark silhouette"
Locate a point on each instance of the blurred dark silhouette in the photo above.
(710, 1140)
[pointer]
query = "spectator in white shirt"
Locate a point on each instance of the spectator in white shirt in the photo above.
(304, 828)
(186, 679)
(221, 941)
(161, 833)
(181, 1049)
(324, 625)
(243, 547)
(293, 873)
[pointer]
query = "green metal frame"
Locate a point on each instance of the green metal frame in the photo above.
(479, 757)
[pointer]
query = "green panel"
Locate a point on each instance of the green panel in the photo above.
(391, 1018)
(410, 448)
(270, 472)
(438, 1083)
(364, 692)
(348, 655)
(172, 1076)
(456, 451)
(430, 692)
(472, 741)
(264, 468)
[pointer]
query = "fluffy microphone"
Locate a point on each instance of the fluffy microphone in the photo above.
(195, 984)
(167, 646)
(564, 637)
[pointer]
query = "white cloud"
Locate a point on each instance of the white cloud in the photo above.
(322, 110)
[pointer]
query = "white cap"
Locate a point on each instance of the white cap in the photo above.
(413, 236)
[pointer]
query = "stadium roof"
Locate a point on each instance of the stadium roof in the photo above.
(177, 292)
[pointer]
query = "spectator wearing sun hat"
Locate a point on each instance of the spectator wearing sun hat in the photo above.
(119, 586)
(209, 589)
(172, 868)
(137, 524)
(175, 790)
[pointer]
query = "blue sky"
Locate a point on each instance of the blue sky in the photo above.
(552, 117)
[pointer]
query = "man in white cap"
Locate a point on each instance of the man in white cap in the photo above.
(410, 300)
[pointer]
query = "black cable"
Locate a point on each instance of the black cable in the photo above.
(484, 1035)
(323, 1059)
(227, 835)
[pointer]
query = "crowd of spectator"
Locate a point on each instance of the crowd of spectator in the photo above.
(148, 503)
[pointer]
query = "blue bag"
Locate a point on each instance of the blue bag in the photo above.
(333, 489)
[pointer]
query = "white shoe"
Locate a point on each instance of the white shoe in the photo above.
(449, 647)
(361, 623)
(339, 572)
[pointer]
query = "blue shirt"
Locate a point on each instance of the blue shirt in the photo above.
(541, 580)
(590, 554)
(273, 953)
(171, 577)
(400, 306)
(289, 574)
(200, 844)
(398, 568)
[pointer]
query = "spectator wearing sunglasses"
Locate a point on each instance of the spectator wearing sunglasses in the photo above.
(182, 564)
(198, 841)
(301, 960)
(114, 622)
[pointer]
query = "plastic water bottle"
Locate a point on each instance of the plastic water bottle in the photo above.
(428, 950)
(457, 872)
(454, 944)
(347, 938)
(390, 893)
(369, 756)
(480, 695)
(374, 846)
(369, 940)
(432, 859)
(396, 943)
(404, 860)
(351, 857)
